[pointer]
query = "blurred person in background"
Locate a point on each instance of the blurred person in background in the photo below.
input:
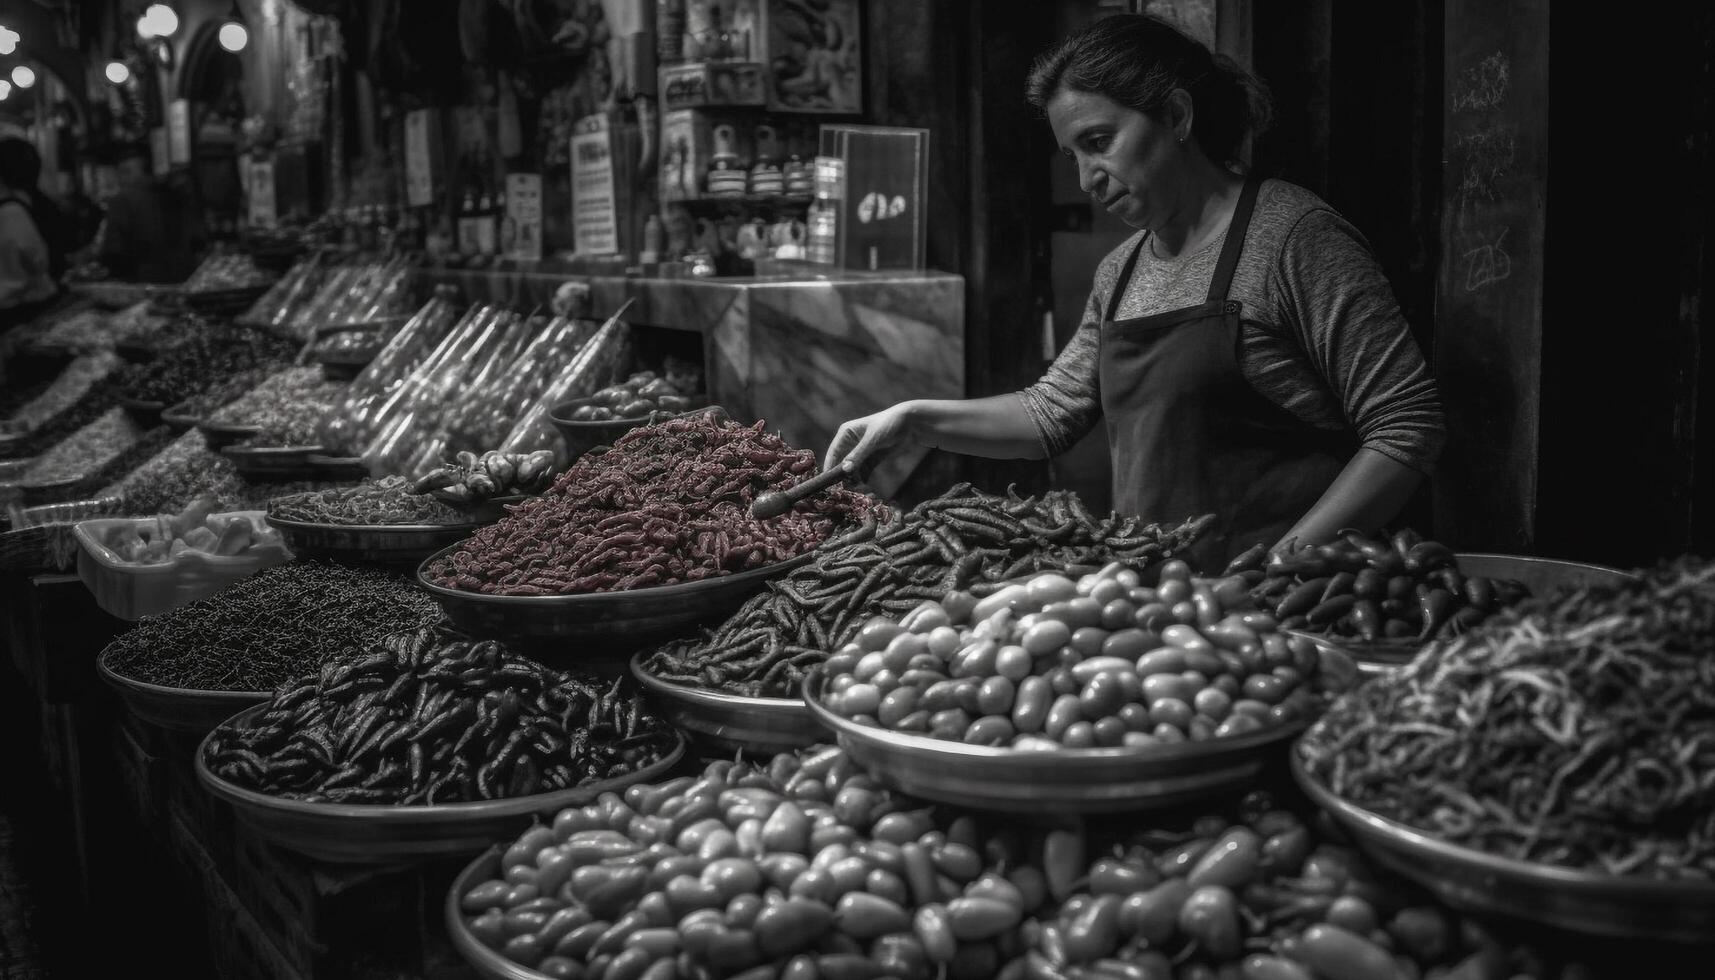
(29, 264)
(151, 233)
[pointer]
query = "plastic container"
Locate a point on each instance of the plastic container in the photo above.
(131, 591)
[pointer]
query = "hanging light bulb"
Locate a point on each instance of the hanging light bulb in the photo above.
(158, 20)
(233, 36)
(5, 89)
(117, 72)
(23, 76)
(8, 40)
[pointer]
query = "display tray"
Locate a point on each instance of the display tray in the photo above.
(219, 435)
(338, 467)
(369, 543)
(273, 462)
(633, 620)
(486, 962)
(1094, 780)
(146, 413)
(730, 722)
(359, 833)
(54, 492)
(178, 418)
(1473, 881)
(234, 300)
(1542, 576)
(581, 436)
(178, 708)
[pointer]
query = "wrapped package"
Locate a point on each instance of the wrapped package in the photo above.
(606, 358)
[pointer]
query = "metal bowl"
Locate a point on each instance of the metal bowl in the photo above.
(487, 962)
(273, 462)
(147, 413)
(1473, 881)
(1542, 576)
(730, 722)
(1096, 780)
(385, 544)
(630, 620)
(337, 467)
(360, 833)
(178, 708)
(583, 435)
(219, 435)
(178, 419)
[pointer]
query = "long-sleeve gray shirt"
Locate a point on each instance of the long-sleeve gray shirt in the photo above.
(1322, 334)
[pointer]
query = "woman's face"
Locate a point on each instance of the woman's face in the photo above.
(1127, 161)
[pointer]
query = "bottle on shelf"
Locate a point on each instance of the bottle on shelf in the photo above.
(485, 228)
(727, 174)
(468, 241)
(766, 178)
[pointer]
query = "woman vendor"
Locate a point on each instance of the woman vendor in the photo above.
(1244, 347)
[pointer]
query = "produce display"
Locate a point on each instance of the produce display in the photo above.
(1573, 731)
(1102, 660)
(277, 624)
(196, 528)
(283, 299)
(807, 868)
(227, 270)
(962, 540)
(200, 355)
(352, 293)
(645, 392)
(90, 450)
(137, 324)
(85, 330)
(389, 500)
(471, 478)
(350, 345)
(426, 717)
(357, 418)
(286, 407)
(187, 469)
(489, 409)
(75, 391)
(1399, 588)
(604, 359)
(669, 503)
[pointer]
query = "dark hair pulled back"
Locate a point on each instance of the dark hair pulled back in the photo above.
(1138, 60)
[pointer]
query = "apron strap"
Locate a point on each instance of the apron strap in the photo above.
(1123, 283)
(1222, 281)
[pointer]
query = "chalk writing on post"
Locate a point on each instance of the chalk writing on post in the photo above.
(1483, 85)
(1488, 263)
(1488, 157)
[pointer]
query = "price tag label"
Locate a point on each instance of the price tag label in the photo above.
(262, 205)
(419, 160)
(521, 228)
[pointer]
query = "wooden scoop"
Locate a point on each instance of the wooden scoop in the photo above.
(774, 504)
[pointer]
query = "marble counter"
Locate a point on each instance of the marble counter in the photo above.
(803, 353)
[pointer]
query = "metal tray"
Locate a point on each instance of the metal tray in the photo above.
(730, 722)
(178, 708)
(272, 462)
(359, 833)
(384, 544)
(1542, 576)
(1096, 780)
(632, 620)
(338, 467)
(1477, 882)
(145, 412)
(220, 436)
(486, 962)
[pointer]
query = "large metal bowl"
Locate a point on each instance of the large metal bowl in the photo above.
(338, 467)
(632, 620)
(178, 708)
(487, 962)
(178, 418)
(1473, 881)
(1542, 576)
(273, 462)
(358, 833)
(730, 722)
(219, 435)
(380, 544)
(1096, 780)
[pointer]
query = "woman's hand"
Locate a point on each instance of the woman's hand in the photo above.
(861, 439)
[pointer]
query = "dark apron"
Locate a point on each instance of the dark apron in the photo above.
(1190, 436)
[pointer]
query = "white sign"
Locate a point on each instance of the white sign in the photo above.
(159, 157)
(179, 131)
(595, 210)
(419, 166)
(262, 213)
(521, 231)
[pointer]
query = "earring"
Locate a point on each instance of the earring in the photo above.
(1181, 139)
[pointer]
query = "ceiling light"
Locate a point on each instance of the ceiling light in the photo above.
(5, 89)
(8, 40)
(117, 72)
(23, 76)
(233, 36)
(159, 20)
